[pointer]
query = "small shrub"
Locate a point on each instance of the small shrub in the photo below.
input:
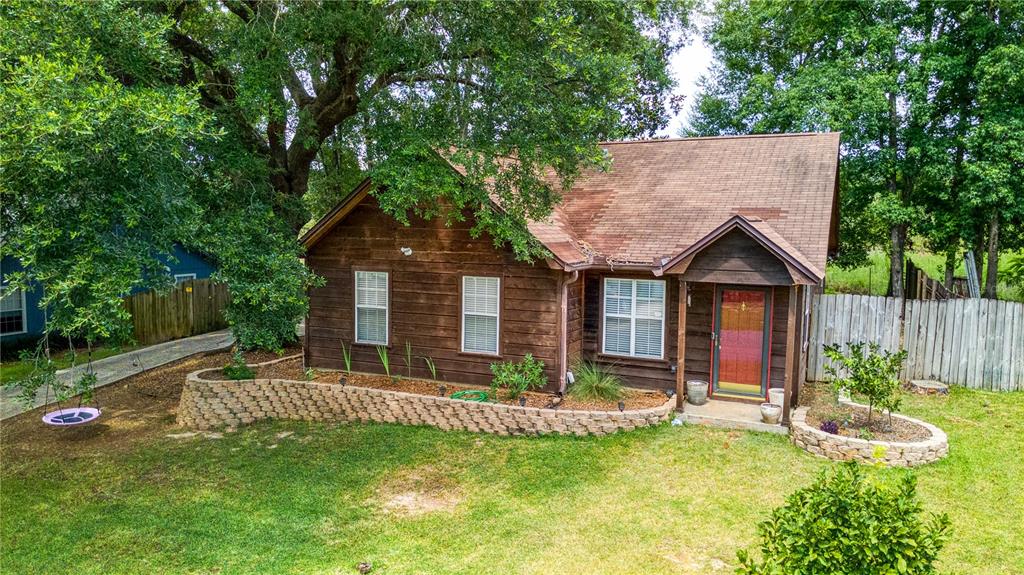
(844, 523)
(382, 353)
(829, 426)
(870, 371)
(310, 374)
(346, 355)
(594, 381)
(430, 366)
(518, 377)
(237, 368)
(408, 359)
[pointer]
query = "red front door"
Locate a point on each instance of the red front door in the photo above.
(741, 341)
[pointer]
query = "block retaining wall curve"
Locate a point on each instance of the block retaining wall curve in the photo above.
(213, 403)
(890, 453)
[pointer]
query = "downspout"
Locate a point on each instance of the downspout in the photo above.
(563, 341)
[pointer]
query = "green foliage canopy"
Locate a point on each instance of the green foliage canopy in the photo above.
(130, 127)
(846, 523)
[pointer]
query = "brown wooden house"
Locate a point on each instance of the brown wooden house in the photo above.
(726, 236)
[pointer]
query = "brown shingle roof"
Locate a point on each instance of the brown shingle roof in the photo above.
(662, 196)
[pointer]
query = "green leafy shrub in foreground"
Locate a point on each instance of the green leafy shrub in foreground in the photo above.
(847, 524)
(518, 377)
(594, 381)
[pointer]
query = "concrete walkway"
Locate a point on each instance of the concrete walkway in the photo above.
(118, 367)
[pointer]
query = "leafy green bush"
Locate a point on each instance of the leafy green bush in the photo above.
(517, 377)
(845, 524)
(237, 369)
(870, 371)
(594, 381)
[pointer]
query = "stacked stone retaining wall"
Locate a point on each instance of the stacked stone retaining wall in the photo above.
(890, 453)
(214, 403)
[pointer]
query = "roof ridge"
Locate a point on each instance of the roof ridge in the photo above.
(722, 137)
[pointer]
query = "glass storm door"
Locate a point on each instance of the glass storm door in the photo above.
(740, 341)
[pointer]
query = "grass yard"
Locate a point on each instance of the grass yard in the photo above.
(287, 497)
(873, 279)
(19, 369)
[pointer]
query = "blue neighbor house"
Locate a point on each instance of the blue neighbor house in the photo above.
(20, 315)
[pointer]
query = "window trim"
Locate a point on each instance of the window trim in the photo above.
(462, 318)
(24, 313)
(179, 278)
(632, 320)
(356, 306)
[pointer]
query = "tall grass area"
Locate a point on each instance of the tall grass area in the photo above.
(873, 279)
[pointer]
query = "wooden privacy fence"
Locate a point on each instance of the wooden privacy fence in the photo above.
(191, 308)
(977, 343)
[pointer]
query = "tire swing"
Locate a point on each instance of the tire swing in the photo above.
(83, 388)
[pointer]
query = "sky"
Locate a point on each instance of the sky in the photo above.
(687, 66)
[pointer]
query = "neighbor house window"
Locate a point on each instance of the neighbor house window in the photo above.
(181, 278)
(634, 317)
(480, 303)
(12, 311)
(372, 307)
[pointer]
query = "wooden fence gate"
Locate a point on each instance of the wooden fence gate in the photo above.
(191, 308)
(977, 343)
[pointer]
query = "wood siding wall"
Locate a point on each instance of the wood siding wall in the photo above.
(699, 318)
(655, 374)
(737, 258)
(425, 306)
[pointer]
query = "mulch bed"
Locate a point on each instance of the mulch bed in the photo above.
(853, 422)
(135, 409)
(292, 369)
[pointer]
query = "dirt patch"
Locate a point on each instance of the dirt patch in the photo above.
(853, 421)
(292, 369)
(135, 410)
(418, 491)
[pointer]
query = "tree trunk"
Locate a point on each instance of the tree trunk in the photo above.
(898, 239)
(950, 268)
(992, 271)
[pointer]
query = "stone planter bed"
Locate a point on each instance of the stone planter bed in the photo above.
(208, 401)
(918, 442)
(291, 368)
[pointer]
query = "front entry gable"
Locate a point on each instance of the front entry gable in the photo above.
(744, 252)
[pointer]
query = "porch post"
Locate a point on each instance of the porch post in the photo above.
(681, 346)
(792, 343)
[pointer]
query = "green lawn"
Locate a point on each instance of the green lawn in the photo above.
(663, 500)
(15, 370)
(873, 278)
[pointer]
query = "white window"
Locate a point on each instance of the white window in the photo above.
(12, 311)
(634, 317)
(181, 278)
(372, 307)
(480, 303)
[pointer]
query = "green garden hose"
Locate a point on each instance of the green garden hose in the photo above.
(472, 395)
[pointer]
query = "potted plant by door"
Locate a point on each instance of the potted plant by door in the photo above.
(770, 413)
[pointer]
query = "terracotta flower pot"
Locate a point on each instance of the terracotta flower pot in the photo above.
(770, 413)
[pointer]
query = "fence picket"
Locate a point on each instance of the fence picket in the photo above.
(192, 308)
(977, 343)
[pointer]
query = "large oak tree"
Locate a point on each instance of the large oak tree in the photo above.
(232, 120)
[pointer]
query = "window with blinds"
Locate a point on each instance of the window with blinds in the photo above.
(12, 311)
(634, 318)
(372, 307)
(480, 314)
